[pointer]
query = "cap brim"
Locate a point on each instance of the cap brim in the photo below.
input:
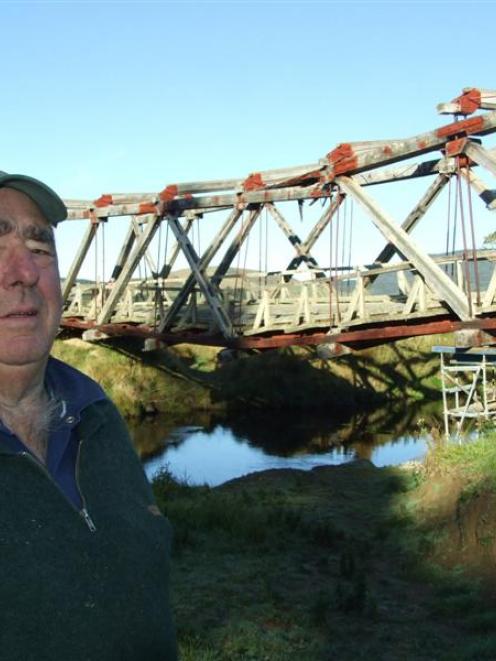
(42, 195)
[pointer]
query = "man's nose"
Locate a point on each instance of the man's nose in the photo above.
(20, 268)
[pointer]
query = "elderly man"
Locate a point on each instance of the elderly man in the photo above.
(83, 549)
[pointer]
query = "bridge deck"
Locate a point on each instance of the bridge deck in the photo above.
(263, 305)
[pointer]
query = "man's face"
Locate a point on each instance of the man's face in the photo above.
(30, 295)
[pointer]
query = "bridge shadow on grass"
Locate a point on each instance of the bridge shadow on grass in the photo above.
(272, 380)
(399, 370)
(296, 379)
(320, 565)
(284, 380)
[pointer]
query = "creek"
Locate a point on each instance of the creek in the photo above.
(212, 449)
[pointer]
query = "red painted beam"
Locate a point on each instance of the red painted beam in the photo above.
(361, 337)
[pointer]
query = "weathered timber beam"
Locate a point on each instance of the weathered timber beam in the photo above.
(471, 99)
(317, 230)
(264, 178)
(117, 210)
(445, 165)
(175, 250)
(344, 160)
(434, 276)
(486, 194)
(481, 156)
(131, 235)
(125, 275)
(143, 203)
(75, 267)
(235, 246)
(426, 201)
(125, 251)
(209, 290)
(138, 231)
(305, 246)
(379, 269)
(204, 261)
(236, 200)
(415, 215)
(323, 221)
(365, 275)
(81, 208)
(302, 252)
(402, 173)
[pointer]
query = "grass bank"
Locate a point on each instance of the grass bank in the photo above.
(457, 506)
(344, 563)
(136, 384)
(185, 378)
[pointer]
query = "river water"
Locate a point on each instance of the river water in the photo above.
(214, 449)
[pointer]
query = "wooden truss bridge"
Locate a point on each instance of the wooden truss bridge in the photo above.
(403, 290)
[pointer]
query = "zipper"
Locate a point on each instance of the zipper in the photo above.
(83, 513)
(87, 518)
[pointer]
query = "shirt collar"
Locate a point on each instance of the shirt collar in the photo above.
(72, 388)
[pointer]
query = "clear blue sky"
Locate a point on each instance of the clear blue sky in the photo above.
(130, 96)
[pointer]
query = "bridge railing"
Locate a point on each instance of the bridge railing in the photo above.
(295, 300)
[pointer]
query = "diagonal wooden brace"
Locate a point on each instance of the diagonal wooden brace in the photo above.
(303, 253)
(138, 231)
(204, 261)
(481, 156)
(72, 275)
(316, 231)
(132, 262)
(486, 194)
(170, 259)
(415, 215)
(210, 292)
(235, 246)
(433, 275)
(410, 222)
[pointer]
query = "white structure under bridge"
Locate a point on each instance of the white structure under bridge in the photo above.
(468, 380)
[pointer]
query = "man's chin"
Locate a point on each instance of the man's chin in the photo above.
(27, 356)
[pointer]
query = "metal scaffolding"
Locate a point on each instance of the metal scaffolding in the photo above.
(468, 380)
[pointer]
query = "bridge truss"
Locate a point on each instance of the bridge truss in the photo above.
(218, 303)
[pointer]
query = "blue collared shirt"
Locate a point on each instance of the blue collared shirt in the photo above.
(75, 392)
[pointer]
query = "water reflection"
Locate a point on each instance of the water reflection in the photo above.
(212, 449)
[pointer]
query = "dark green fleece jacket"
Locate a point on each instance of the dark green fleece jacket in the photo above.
(71, 594)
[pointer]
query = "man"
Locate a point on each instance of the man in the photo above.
(83, 549)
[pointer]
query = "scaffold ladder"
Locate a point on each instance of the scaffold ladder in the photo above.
(467, 381)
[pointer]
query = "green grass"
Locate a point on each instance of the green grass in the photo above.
(330, 564)
(134, 383)
(474, 460)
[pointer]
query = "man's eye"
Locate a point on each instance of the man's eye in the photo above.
(41, 249)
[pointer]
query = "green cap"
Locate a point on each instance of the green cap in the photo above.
(42, 195)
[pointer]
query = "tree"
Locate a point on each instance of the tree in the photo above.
(490, 240)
